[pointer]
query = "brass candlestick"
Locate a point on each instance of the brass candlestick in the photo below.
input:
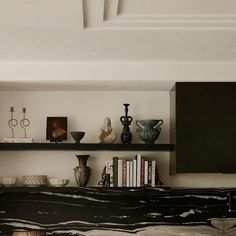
(12, 122)
(24, 123)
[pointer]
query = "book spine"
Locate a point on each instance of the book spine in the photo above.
(131, 173)
(115, 171)
(124, 173)
(111, 176)
(139, 157)
(153, 184)
(145, 173)
(142, 171)
(134, 173)
(127, 176)
(119, 173)
(149, 173)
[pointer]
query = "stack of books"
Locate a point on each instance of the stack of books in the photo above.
(138, 172)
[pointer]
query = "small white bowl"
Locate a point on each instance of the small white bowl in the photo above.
(8, 181)
(58, 182)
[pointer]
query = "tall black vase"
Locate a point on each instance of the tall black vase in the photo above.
(126, 120)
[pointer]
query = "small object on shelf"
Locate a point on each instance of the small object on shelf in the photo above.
(56, 129)
(126, 120)
(102, 182)
(24, 123)
(12, 122)
(17, 140)
(149, 130)
(106, 133)
(77, 135)
(58, 182)
(34, 180)
(8, 181)
(82, 172)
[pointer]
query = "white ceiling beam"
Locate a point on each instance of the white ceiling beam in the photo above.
(172, 22)
(93, 11)
(184, 71)
(159, 7)
(110, 9)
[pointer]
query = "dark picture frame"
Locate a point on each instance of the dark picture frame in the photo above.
(56, 129)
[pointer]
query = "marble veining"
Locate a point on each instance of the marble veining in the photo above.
(139, 211)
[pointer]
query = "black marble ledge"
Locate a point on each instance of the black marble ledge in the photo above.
(142, 190)
(67, 210)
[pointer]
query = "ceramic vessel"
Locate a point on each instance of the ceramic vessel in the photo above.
(58, 182)
(34, 180)
(149, 130)
(82, 172)
(8, 181)
(126, 120)
(77, 135)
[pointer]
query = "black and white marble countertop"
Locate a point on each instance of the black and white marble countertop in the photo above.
(124, 211)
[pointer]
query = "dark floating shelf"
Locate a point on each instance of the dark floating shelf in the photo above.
(112, 190)
(85, 147)
(78, 189)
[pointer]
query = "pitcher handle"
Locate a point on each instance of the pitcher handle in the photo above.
(159, 124)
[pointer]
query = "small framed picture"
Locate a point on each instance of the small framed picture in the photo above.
(56, 129)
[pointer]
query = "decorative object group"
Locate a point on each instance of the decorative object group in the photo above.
(56, 129)
(33, 181)
(82, 172)
(149, 130)
(13, 122)
(106, 133)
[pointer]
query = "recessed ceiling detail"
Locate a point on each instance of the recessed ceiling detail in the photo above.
(108, 31)
(160, 14)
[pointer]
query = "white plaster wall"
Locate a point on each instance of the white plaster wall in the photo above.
(86, 111)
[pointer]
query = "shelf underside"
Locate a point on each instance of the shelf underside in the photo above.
(119, 190)
(85, 146)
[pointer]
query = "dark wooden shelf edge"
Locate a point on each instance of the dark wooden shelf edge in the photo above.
(85, 146)
(22, 189)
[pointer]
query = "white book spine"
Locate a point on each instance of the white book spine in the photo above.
(127, 176)
(146, 173)
(134, 173)
(131, 173)
(139, 157)
(153, 183)
(119, 173)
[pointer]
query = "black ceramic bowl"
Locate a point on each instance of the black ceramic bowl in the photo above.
(77, 135)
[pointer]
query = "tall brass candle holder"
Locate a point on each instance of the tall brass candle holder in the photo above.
(12, 122)
(24, 123)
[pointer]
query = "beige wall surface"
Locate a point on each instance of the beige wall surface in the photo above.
(86, 111)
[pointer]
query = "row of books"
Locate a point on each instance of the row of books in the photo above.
(138, 172)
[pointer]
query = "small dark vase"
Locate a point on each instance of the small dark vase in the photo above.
(82, 172)
(126, 120)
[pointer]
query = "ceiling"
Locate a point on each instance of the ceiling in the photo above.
(118, 30)
(115, 44)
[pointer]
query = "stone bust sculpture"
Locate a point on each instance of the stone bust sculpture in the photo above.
(106, 133)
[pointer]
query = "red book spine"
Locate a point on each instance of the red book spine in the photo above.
(142, 171)
(149, 173)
